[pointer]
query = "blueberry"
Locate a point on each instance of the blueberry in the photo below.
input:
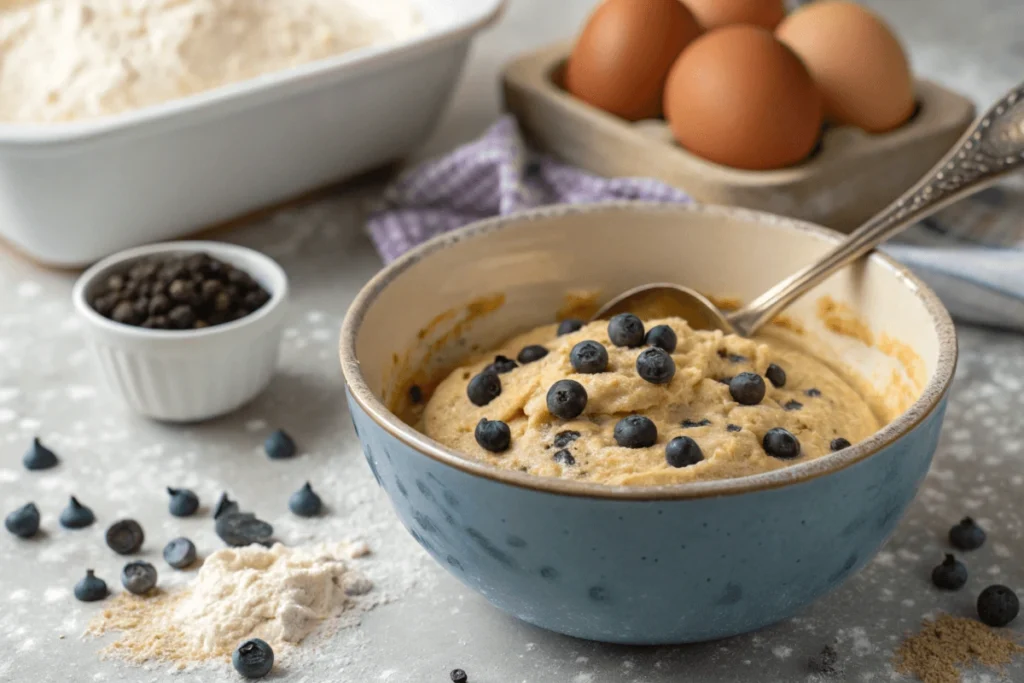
(459, 676)
(501, 365)
(998, 606)
(138, 577)
(951, 575)
(564, 438)
(23, 522)
(564, 457)
(967, 535)
(531, 353)
(724, 380)
(776, 375)
(180, 553)
(415, 394)
(683, 451)
(780, 444)
(183, 503)
(125, 537)
(566, 399)
(686, 424)
(39, 457)
(838, 444)
(733, 428)
(91, 588)
(224, 505)
(792, 405)
(483, 388)
(76, 515)
(493, 435)
(626, 329)
(737, 358)
(813, 393)
(589, 357)
(305, 502)
(654, 365)
(635, 431)
(747, 388)
(663, 337)
(279, 446)
(253, 658)
(242, 528)
(568, 326)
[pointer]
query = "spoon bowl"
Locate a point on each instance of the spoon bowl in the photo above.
(665, 299)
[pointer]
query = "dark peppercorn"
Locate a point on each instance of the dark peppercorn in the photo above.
(459, 676)
(998, 606)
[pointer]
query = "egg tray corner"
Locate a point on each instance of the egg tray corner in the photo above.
(852, 175)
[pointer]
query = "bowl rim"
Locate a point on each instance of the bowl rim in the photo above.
(263, 268)
(930, 399)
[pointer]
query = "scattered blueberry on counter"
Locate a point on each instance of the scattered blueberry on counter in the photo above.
(253, 658)
(662, 337)
(625, 329)
(747, 388)
(568, 326)
(23, 522)
(781, 444)
(180, 553)
(279, 445)
(242, 528)
(139, 577)
(838, 444)
(683, 451)
(998, 606)
(305, 502)
(459, 676)
(493, 435)
(125, 537)
(183, 503)
(655, 365)
(76, 515)
(776, 375)
(635, 431)
(589, 357)
(39, 457)
(224, 505)
(531, 353)
(566, 399)
(501, 365)
(91, 588)
(967, 535)
(483, 388)
(951, 575)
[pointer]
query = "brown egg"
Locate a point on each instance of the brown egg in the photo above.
(857, 62)
(622, 57)
(739, 97)
(714, 13)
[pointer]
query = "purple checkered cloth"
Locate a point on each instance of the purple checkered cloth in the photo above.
(495, 175)
(971, 253)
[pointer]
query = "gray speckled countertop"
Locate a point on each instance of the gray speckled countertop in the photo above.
(118, 464)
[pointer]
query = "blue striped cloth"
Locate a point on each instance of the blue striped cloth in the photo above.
(971, 253)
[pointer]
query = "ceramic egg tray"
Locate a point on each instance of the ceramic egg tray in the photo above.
(851, 176)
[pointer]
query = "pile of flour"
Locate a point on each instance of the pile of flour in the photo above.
(278, 594)
(72, 59)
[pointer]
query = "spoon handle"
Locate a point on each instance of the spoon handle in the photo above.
(992, 148)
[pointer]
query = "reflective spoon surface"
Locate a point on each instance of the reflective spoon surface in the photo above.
(991, 148)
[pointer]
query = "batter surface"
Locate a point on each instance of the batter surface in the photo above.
(814, 404)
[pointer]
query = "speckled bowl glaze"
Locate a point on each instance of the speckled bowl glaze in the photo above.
(650, 565)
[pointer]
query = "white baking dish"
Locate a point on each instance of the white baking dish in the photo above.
(75, 192)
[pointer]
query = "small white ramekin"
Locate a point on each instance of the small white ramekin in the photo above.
(187, 375)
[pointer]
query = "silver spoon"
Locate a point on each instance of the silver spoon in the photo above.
(991, 148)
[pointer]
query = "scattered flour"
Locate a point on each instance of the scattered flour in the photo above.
(278, 594)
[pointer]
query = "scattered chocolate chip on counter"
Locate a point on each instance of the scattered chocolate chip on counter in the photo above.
(183, 503)
(76, 515)
(39, 457)
(178, 292)
(91, 588)
(305, 502)
(23, 522)
(125, 537)
(951, 575)
(967, 535)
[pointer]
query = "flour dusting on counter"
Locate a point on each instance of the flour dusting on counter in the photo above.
(72, 59)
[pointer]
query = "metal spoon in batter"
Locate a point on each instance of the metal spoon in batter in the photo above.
(991, 148)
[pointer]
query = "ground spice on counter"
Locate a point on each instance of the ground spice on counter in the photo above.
(948, 645)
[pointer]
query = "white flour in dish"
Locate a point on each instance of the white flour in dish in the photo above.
(71, 59)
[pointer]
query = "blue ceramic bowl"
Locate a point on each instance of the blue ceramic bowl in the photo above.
(639, 565)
